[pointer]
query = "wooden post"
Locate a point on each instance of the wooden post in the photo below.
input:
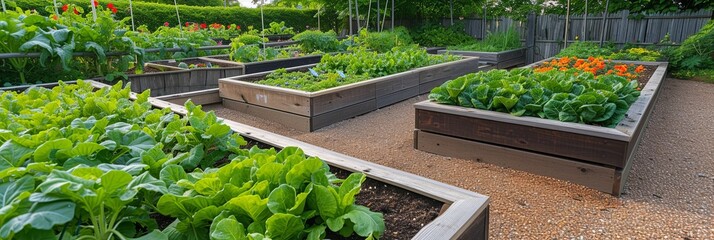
(350, 7)
(451, 9)
(585, 22)
(357, 15)
(483, 21)
(604, 23)
(393, 14)
(178, 17)
(131, 12)
(567, 21)
(378, 16)
(4, 10)
(530, 38)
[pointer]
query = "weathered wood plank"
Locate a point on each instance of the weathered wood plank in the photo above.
(590, 175)
(389, 99)
(544, 140)
(262, 96)
(301, 123)
(338, 115)
(397, 83)
(202, 97)
(325, 103)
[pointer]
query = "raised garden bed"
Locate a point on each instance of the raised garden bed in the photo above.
(309, 111)
(161, 80)
(205, 77)
(270, 65)
(500, 60)
(462, 214)
(593, 156)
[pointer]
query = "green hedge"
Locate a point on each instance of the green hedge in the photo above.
(187, 2)
(154, 15)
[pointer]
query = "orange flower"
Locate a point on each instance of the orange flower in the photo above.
(640, 69)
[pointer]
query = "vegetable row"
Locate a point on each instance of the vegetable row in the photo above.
(84, 163)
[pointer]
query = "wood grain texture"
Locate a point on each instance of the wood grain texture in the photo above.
(202, 97)
(338, 115)
(398, 96)
(264, 96)
(501, 60)
(590, 175)
(298, 122)
(546, 141)
(325, 103)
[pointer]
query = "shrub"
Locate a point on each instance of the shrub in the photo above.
(585, 50)
(154, 15)
(187, 2)
(384, 41)
(697, 52)
(636, 54)
(313, 40)
(494, 42)
(436, 35)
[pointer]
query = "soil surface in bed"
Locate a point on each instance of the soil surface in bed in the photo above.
(669, 194)
(198, 61)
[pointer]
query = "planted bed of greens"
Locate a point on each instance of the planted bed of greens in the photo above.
(568, 94)
(85, 163)
(361, 64)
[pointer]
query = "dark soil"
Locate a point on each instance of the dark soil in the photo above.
(161, 220)
(405, 213)
(198, 61)
(646, 75)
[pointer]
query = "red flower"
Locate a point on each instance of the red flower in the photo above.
(95, 3)
(166, 24)
(203, 25)
(65, 7)
(54, 17)
(237, 27)
(186, 24)
(75, 11)
(216, 25)
(112, 7)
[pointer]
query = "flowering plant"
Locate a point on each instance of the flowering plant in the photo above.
(595, 65)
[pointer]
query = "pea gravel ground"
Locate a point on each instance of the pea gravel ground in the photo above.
(670, 193)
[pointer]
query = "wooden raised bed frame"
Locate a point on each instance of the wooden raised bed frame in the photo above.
(593, 156)
(309, 111)
(464, 215)
(500, 60)
(203, 78)
(270, 65)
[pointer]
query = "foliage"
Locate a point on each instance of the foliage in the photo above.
(155, 15)
(278, 28)
(636, 54)
(265, 194)
(384, 41)
(697, 52)
(315, 40)
(580, 98)
(361, 64)
(307, 81)
(597, 66)
(435, 35)
(187, 2)
(494, 42)
(84, 163)
(252, 53)
(584, 50)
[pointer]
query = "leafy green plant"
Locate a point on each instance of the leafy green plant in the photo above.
(636, 54)
(493, 42)
(271, 195)
(384, 41)
(345, 68)
(585, 50)
(317, 41)
(554, 95)
(278, 28)
(437, 35)
(697, 52)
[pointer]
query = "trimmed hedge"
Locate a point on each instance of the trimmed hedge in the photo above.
(154, 15)
(187, 2)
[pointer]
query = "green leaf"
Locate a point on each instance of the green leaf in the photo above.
(153, 235)
(327, 201)
(195, 156)
(42, 216)
(349, 188)
(143, 181)
(45, 152)
(316, 232)
(302, 172)
(13, 155)
(228, 229)
(282, 226)
(365, 221)
(251, 206)
(115, 180)
(281, 199)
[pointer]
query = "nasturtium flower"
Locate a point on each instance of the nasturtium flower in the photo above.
(65, 7)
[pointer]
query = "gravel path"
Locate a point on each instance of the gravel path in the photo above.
(670, 193)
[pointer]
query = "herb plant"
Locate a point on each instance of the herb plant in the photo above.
(493, 42)
(278, 28)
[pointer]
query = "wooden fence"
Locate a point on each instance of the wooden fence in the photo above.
(621, 28)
